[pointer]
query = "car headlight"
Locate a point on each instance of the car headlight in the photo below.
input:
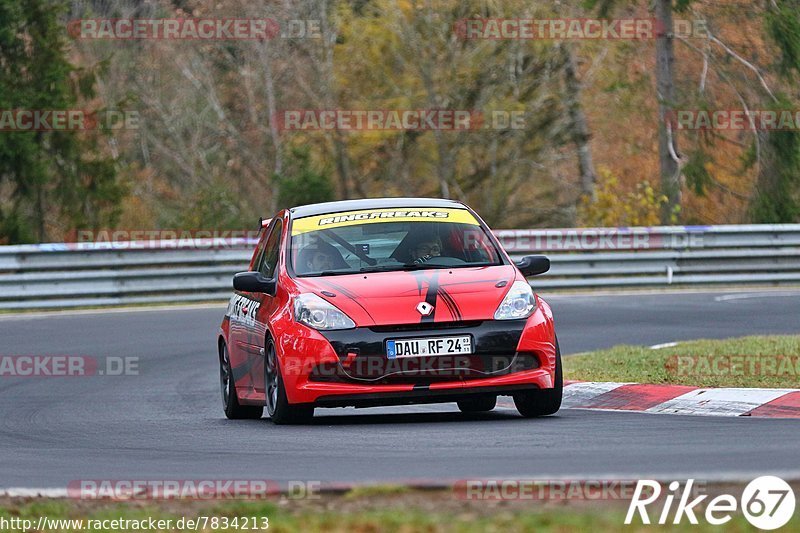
(518, 303)
(314, 312)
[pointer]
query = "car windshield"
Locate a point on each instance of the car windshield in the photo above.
(389, 239)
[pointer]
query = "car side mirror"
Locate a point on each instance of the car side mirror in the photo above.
(532, 265)
(254, 282)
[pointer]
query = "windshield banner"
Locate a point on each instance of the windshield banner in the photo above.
(368, 216)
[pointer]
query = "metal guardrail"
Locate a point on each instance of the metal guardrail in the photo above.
(111, 273)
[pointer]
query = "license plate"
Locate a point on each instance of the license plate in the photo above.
(428, 346)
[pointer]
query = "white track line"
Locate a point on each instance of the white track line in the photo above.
(20, 492)
(567, 293)
(751, 295)
(663, 345)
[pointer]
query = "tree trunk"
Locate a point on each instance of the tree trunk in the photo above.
(342, 164)
(665, 86)
(329, 36)
(581, 135)
(269, 87)
(774, 196)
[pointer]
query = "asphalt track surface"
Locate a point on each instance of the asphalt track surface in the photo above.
(167, 422)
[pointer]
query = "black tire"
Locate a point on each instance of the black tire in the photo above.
(279, 409)
(542, 402)
(480, 404)
(230, 403)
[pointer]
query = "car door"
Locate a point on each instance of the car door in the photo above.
(246, 335)
(263, 305)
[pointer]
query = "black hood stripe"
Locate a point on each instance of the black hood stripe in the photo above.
(448, 299)
(345, 292)
(430, 295)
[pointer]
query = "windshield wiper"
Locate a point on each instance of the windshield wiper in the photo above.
(329, 273)
(401, 266)
(397, 267)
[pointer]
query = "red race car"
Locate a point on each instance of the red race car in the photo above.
(385, 302)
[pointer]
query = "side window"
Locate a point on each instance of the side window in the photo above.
(258, 253)
(269, 260)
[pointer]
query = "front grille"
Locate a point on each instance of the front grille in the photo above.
(425, 326)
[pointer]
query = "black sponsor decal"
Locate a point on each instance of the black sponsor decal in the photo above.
(382, 214)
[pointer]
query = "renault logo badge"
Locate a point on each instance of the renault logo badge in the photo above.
(424, 308)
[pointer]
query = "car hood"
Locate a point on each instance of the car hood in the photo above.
(386, 298)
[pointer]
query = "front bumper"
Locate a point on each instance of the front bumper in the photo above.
(350, 367)
(416, 396)
(362, 355)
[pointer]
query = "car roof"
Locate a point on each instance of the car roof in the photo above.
(371, 203)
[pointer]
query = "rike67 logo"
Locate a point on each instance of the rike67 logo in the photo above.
(767, 502)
